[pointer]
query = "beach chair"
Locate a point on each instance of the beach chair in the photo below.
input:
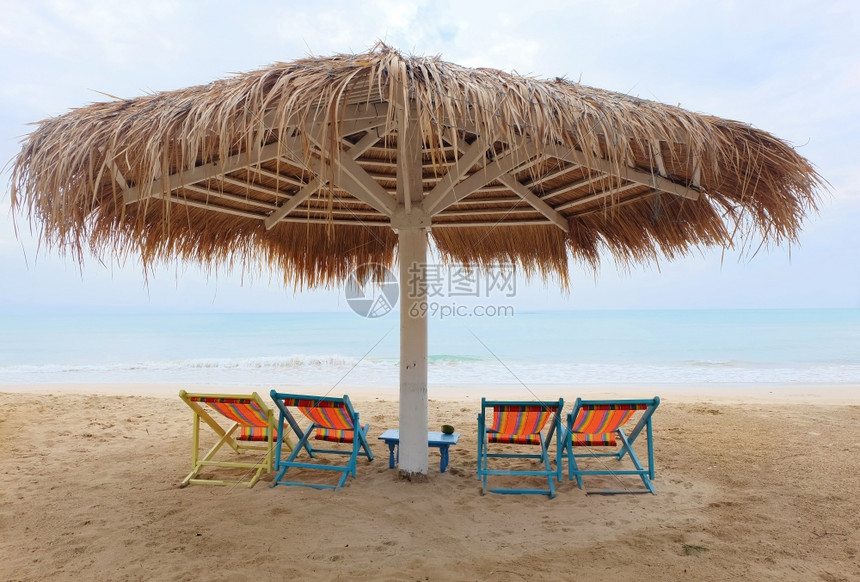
(517, 423)
(255, 422)
(599, 423)
(331, 420)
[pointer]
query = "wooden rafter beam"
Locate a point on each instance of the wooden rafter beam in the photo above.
(577, 158)
(598, 196)
(214, 207)
(594, 178)
(362, 214)
(352, 222)
(209, 192)
(279, 213)
(491, 189)
(551, 176)
(487, 212)
(631, 200)
(541, 222)
(117, 175)
(393, 165)
(472, 154)
(515, 159)
(362, 122)
(354, 153)
(254, 187)
(393, 177)
(657, 156)
(249, 214)
(350, 176)
(538, 204)
(473, 201)
(275, 176)
(625, 173)
(697, 172)
(203, 172)
(317, 197)
(115, 172)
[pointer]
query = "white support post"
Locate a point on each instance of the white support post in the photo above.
(411, 222)
(413, 449)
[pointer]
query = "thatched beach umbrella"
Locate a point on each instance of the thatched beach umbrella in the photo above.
(321, 165)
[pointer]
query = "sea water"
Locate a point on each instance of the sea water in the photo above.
(611, 348)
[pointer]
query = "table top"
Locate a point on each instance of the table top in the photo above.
(434, 437)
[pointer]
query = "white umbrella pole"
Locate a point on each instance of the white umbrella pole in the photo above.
(412, 246)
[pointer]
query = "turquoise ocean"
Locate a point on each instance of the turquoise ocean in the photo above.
(594, 348)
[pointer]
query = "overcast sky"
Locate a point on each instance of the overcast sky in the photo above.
(791, 68)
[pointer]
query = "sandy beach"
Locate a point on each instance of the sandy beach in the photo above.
(752, 484)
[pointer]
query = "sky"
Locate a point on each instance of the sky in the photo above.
(791, 68)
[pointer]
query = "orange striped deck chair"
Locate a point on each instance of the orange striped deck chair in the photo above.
(600, 423)
(250, 428)
(330, 419)
(516, 423)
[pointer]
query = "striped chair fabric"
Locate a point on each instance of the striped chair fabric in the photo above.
(596, 425)
(252, 419)
(254, 433)
(518, 424)
(334, 435)
(331, 418)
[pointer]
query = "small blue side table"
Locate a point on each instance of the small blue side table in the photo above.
(434, 439)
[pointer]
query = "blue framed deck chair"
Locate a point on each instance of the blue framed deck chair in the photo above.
(330, 419)
(255, 422)
(519, 423)
(599, 423)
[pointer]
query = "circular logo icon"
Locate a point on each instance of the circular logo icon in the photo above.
(372, 291)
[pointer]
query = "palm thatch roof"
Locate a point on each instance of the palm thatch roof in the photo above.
(307, 166)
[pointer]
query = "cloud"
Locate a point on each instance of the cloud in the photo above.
(69, 30)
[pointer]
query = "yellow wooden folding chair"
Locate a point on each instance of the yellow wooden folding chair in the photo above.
(255, 422)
